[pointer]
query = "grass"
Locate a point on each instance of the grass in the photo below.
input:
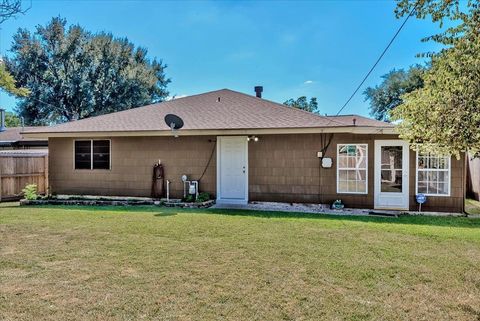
(472, 206)
(150, 263)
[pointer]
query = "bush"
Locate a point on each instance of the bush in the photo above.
(203, 197)
(30, 192)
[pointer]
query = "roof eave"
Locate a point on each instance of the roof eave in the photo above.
(218, 132)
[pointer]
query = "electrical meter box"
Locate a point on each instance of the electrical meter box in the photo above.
(327, 162)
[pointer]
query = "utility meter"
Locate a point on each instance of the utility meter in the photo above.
(326, 162)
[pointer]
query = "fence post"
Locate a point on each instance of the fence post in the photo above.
(1, 188)
(45, 176)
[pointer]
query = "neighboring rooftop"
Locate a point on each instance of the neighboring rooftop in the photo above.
(13, 136)
(217, 110)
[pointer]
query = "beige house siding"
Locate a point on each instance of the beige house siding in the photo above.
(281, 168)
(132, 160)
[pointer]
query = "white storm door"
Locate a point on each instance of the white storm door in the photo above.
(232, 169)
(391, 174)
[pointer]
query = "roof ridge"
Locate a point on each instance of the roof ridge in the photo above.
(135, 108)
(281, 105)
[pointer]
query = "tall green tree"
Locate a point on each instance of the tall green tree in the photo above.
(9, 9)
(8, 83)
(12, 120)
(304, 104)
(444, 115)
(74, 74)
(388, 95)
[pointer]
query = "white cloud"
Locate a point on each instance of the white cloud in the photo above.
(308, 82)
(175, 97)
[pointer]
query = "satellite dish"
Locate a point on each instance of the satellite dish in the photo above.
(173, 121)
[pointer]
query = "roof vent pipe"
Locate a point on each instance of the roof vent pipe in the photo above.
(2, 120)
(258, 91)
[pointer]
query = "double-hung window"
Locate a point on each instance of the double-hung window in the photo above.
(352, 162)
(92, 154)
(433, 175)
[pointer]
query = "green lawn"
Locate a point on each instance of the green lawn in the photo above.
(150, 263)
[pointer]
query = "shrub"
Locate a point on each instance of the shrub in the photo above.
(30, 192)
(203, 197)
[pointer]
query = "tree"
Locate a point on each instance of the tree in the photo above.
(304, 104)
(444, 115)
(386, 96)
(74, 74)
(10, 8)
(12, 120)
(8, 83)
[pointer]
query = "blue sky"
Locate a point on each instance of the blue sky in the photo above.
(292, 48)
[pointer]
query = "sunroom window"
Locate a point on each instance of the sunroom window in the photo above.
(352, 168)
(433, 174)
(92, 154)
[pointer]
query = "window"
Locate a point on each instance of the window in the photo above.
(352, 168)
(433, 175)
(92, 154)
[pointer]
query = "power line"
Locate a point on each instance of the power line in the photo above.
(378, 60)
(38, 100)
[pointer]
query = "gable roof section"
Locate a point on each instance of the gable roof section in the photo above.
(217, 110)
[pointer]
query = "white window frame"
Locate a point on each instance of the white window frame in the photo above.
(91, 155)
(339, 169)
(448, 170)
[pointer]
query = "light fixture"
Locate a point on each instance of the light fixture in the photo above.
(254, 138)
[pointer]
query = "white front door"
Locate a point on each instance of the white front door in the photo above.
(232, 169)
(391, 174)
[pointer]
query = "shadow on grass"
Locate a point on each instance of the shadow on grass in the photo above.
(404, 219)
(171, 211)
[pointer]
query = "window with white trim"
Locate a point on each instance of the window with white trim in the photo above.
(352, 162)
(433, 175)
(92, 154)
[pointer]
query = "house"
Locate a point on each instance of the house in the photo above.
(244, 148)
(12, 139)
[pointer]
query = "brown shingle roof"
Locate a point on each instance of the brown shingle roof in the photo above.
(360, 121)
(216, 110)
(13, 134)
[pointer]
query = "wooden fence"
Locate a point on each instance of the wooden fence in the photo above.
(18, 170)
(473, 177)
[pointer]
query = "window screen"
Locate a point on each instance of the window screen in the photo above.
(101, 154)
(83, 154)
(92, 154)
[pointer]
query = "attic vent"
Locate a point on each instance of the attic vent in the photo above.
(218, 99)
